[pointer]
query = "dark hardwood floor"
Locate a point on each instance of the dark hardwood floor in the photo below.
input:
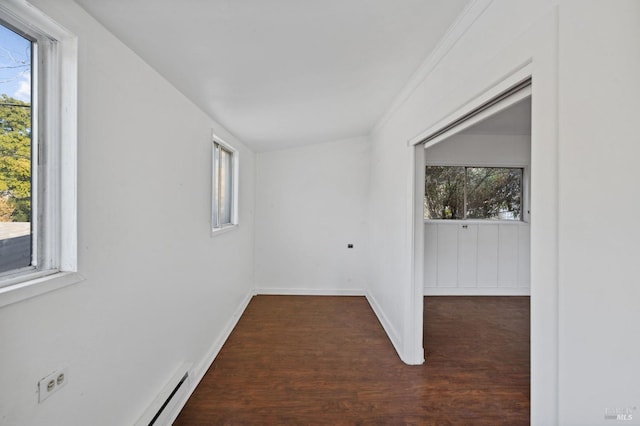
(326, 360)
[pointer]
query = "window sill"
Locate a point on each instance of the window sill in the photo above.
(37, 285)
(219, 231)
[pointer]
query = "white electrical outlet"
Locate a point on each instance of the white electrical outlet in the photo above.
(50, 384)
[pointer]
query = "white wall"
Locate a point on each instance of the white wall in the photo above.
(480, 150)
(159, 290)
(312, 203)
(476, 258)
(599, 269)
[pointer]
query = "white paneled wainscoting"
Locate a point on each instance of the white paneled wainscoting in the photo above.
(467, 257)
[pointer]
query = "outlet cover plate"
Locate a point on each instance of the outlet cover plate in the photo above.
(52, 383)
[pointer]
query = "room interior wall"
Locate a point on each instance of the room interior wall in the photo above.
(476, 258)
(481, 150)
(599, 268)
(158, 289)
(312, 203)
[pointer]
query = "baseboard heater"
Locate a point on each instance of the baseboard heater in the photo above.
(162, 410)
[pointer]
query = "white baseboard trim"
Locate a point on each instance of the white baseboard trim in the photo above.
(386, 324)
(477, 291)
(199, 371)
(310, 291)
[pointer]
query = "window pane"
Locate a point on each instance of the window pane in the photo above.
(494, 193)
(15, 150)
(222, 186)
(444, 192)
(216, 185)
(225, 186)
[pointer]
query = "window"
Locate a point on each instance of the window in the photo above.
(16, 153)
(38, 80)
(460, 192)
(224, 186)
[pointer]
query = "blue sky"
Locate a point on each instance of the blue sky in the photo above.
(15, 68)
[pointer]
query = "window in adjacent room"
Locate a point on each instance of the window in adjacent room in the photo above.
(464, 192)
(224, 208)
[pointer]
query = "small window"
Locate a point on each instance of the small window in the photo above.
(473, 193)
(224, 186)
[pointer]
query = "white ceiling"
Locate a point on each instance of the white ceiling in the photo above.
(282, 73)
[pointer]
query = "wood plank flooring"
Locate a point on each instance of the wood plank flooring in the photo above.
(326, 360)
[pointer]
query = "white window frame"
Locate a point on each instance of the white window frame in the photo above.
(216, 227)
(54, 189)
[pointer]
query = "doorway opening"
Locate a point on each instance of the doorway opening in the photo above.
(475, 241)
(477, 208)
